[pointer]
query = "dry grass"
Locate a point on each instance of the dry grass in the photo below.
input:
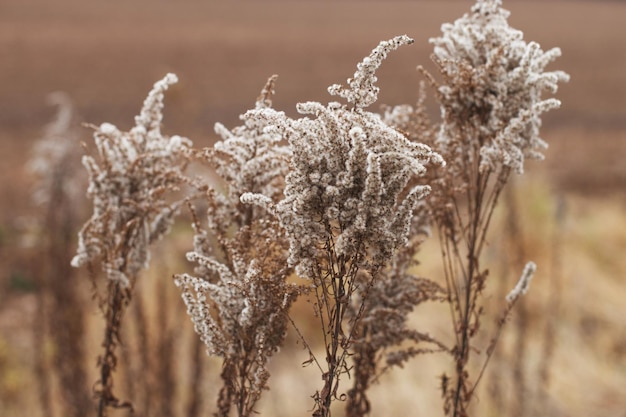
(107, 54)
(587, 373)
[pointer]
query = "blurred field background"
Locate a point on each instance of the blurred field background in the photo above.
(563, 352)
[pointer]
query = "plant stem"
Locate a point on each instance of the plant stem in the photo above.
(118, 298)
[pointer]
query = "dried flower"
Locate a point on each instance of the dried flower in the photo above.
(491, 95)
(239, 309)
(491, 106)
(348, 202)
(240, 297)
(362, 90)
(349, 174)
(250, 157)
(127, 183)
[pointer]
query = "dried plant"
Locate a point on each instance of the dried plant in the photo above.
(348, 205)
(239, 297)
(60, 312)
(491, 107)
(130, 182)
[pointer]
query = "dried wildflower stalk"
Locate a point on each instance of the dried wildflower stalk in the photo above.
(491, 105)
(347, 206)
(56, 162)
(128, 183)
(239, 297)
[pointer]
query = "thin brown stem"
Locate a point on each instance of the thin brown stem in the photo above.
(117, 300)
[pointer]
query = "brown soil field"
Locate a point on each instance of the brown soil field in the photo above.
(107, 54)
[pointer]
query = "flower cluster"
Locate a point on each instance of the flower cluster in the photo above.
(239, 297)
(491, 104)
(127, 183)
(249, 158)
(362, 90)
(239, 309)
(491, 94)
(349, 175)
(348, 205)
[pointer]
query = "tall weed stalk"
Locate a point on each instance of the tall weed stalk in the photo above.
(60, 304)
(238, 296)
(130, 180)
(490, 95)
